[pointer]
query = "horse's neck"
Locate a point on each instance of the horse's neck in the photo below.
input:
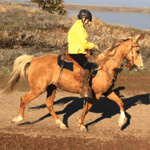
(114, 64)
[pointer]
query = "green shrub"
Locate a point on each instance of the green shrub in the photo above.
(52, 6)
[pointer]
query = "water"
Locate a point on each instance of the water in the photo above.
(137, 20)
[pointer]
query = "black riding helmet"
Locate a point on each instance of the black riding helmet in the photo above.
(86, 13)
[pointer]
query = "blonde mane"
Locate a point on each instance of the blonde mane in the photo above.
(109, 52)
(116, 43)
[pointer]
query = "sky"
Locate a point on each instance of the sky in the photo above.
(129, 3)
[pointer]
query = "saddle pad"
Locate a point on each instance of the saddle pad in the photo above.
(66, 65)
(69, 65)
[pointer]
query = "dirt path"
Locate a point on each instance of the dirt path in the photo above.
(38, 130)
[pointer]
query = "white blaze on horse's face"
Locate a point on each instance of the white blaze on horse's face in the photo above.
(134, 57)
(137, 58)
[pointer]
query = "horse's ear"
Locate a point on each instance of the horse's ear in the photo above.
(137, 38)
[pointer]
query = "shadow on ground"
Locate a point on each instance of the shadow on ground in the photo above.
(104, 105)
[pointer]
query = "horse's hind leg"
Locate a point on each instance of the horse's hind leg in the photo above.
(51, 91)
(122, 120)
(24, 101)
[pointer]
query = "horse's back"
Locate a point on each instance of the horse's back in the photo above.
(46, 58)
(43, 69)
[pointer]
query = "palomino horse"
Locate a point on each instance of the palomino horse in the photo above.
(43, 74)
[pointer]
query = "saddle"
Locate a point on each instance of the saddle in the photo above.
(66, 62)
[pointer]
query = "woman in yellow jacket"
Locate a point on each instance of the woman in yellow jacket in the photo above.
(77, 46)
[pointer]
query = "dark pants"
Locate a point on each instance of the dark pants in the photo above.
(81, 60)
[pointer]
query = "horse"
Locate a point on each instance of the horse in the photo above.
(43, 75)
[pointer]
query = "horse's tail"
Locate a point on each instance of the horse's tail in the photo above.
(20, 67)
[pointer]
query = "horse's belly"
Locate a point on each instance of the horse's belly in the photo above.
(67, 82)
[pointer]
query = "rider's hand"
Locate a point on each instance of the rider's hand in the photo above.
(96, 46)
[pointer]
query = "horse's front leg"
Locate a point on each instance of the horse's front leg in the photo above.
(87, 107)
(122, 120)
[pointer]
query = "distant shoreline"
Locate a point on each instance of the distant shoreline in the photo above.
(105, 8)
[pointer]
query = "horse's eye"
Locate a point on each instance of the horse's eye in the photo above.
(138, 52)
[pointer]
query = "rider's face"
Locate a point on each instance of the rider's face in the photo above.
(86, 22)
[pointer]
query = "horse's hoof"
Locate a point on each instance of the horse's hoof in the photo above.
(17, 119)
(62, 126)
(83, 129)
(122, 122)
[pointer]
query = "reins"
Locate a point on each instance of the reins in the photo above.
(122, 65)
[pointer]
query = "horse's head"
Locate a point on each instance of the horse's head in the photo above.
(133, 55)
(128, 48)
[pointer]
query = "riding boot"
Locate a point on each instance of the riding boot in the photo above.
(85, 87)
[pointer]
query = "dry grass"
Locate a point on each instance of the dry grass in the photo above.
(25, 27)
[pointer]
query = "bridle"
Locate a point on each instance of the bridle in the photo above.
(121, 64)
(126, 64)
(131, 65)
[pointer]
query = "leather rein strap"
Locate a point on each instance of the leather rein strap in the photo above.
(127, 65)
(122, 64)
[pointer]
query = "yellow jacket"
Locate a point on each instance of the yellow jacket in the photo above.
(77, 39)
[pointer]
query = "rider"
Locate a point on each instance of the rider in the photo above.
(78, 46)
